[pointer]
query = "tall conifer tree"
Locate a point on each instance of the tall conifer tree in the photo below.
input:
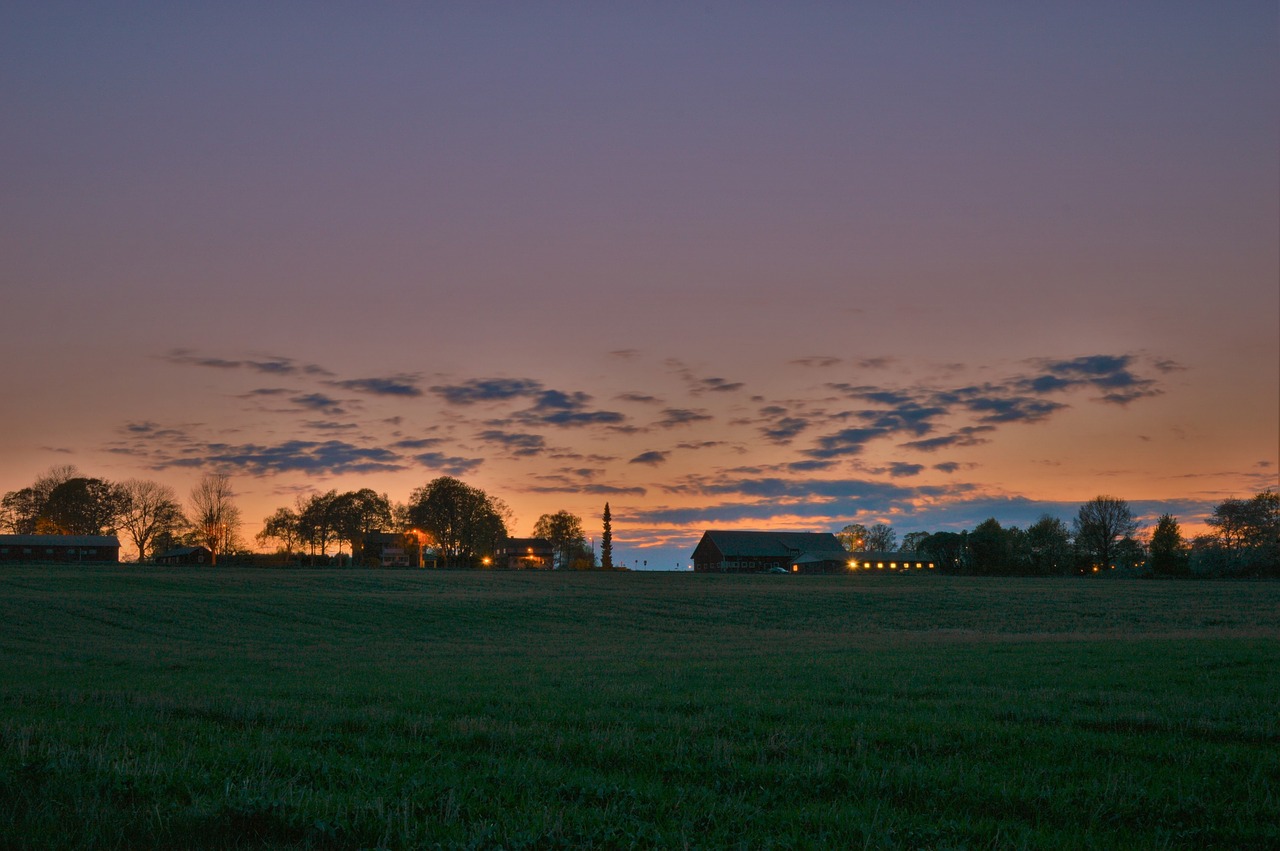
(606, 541)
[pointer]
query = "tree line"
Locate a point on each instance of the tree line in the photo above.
(1104, 536)
(147, 513)
(461, 524)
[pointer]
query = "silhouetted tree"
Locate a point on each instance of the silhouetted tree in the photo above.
(989, 549)
(20, 511)
(317, 523)
(83, 506)
(1246, 536)
(282, 527)
(357, 514)
(853, 537)
(213, 514)
(564, 531)
(881, 539)
(946, 550)
(1048, 547)
(148, 510)
(606, 540)
(464, 521)
(912, 541)
(25, 511)
(1100, 525)
(1168, 548)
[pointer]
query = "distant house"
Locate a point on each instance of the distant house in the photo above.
(758, 552)
(525, 554)
(397, 549)
(185, 555)
(60, 548)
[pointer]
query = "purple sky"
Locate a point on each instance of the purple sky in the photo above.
(741, 265)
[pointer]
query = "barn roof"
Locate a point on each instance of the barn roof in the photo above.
(178, 552)
(784, 545)
(60, 540)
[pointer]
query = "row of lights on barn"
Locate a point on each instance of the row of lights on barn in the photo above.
(866, 565)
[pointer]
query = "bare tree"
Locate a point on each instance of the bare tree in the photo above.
(881, 538)
(20, 511)
(148, 511)
(215, 517)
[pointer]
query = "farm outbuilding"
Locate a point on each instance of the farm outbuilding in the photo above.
(759, 552)
(60, 548)
(794, 552)
(185, 555)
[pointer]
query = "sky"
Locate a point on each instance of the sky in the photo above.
(723, 265)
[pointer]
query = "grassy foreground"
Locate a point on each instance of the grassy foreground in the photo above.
(250, 709)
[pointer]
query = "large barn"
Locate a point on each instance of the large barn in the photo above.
(758, 552)
(60, 548)
(794, 552)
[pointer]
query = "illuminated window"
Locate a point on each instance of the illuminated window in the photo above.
(893, 565)
(880, 565)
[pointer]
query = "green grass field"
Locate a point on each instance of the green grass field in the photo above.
(360, 709)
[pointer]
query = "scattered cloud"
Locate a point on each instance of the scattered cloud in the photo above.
(318, 402)
(327, 425)
(919, 412)
(784, 429)
(673, 417)
(589, 488)
(549, 407)
(1167, 366)
(269, 364)
(418, 443)
(450, 465)
(396, 385)
(966, 436)
(330, 457)
(478, 390)
(517, 444)
(719, 385)
(816, 361)
(652, 458)
(1110, 374)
